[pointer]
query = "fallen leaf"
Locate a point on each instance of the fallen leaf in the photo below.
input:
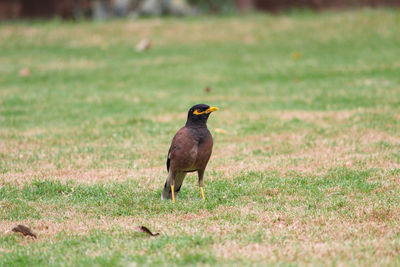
(296, 55)
(26, 231)
(146, 230)
(143, 45)
(24, 72)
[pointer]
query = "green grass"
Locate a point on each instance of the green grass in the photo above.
(306, 174)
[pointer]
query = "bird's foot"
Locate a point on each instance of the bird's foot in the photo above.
(202, 193)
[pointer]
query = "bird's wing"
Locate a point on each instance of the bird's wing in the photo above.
(168, 159)
(183, 149)
(172, 148)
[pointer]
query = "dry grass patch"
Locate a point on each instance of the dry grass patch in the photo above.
(281, 152)
(74, 222)
(105, 35)
(294, 151)
(311, 239)
(147, 177)
(212, 30)
(320, 117)
(308, 253)
(81, 64)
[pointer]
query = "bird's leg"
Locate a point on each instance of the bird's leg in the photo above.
(173, 193)
(172, 188)
(202, 193)
(201, 173)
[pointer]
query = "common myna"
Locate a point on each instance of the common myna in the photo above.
(190, 151)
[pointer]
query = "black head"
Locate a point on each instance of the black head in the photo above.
(198, 114)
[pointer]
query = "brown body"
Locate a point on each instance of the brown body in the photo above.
(190, 151)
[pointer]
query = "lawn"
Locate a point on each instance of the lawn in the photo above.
(306, 162)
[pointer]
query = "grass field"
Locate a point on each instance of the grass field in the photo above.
(308, 171)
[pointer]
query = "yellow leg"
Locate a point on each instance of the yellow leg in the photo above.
(173, 193)
(202, 193)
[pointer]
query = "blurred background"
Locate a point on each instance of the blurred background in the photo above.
(305, 167)
(103, 9)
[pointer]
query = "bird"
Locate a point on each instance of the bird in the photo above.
(190, 151)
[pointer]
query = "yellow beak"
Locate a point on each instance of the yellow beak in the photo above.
(211, 109)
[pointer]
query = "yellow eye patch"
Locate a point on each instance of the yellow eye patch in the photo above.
(198, 113)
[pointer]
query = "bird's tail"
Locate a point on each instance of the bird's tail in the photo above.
(166, 193)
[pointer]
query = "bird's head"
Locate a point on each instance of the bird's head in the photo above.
(198, 114)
